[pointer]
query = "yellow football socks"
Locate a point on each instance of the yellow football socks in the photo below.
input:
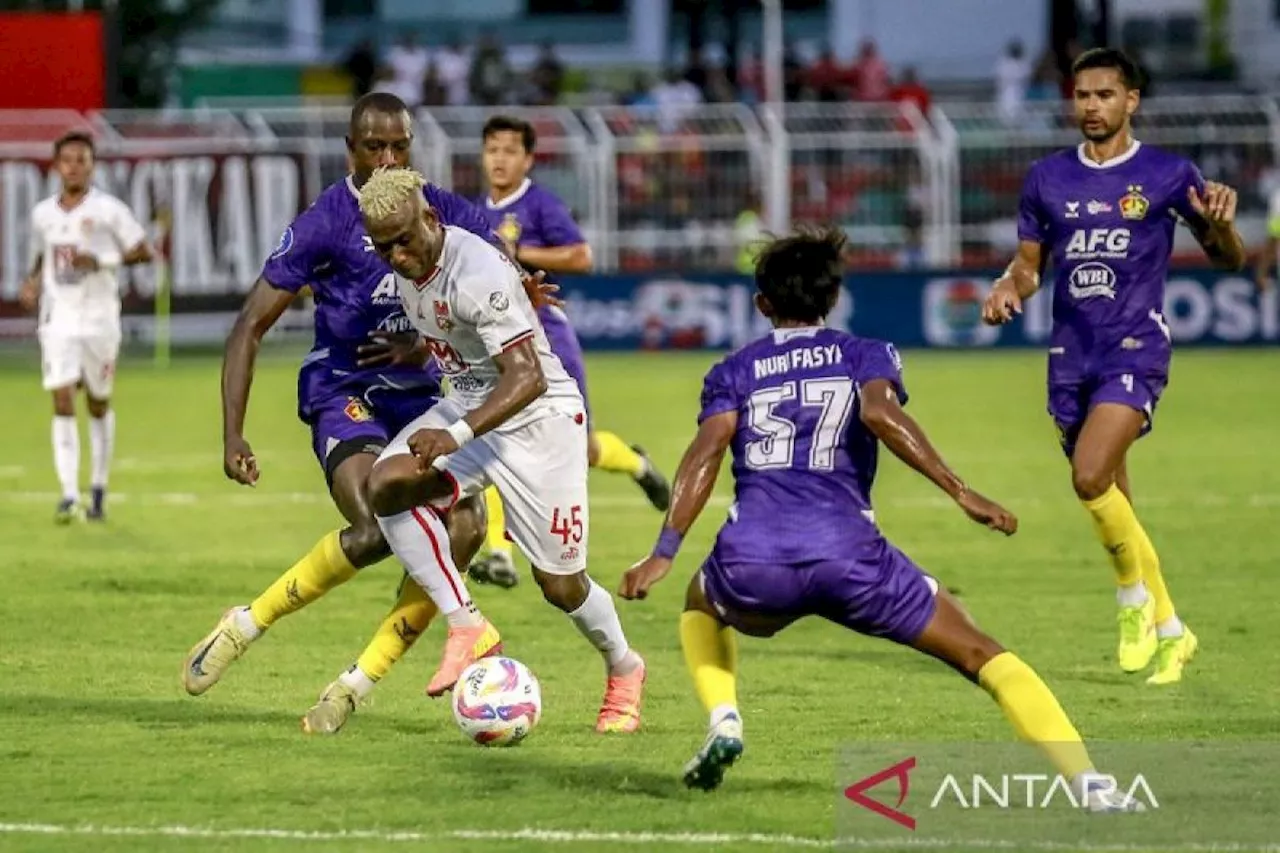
(711, 653)
(324, 568)
(1120, 533)
(496, 537)
(412, 613)
(616, 455)
(1035, 714)
(1153, 578)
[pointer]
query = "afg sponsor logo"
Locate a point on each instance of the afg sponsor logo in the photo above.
(952, 313)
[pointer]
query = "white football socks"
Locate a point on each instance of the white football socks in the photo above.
(66, 455)
(419, 538)
(597, 619)
(357, 680)
(102, 439)
(1134, 595)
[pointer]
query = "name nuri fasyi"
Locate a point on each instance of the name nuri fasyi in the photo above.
(804, 358)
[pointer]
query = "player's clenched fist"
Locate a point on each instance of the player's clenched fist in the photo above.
(430, 444)
(1002, 303)
(644, 574)
(238, 461)
(987, 512)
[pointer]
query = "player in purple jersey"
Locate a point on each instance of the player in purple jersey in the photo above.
(1106, 212)
(361, 382)
(803, 411)
(540, 233)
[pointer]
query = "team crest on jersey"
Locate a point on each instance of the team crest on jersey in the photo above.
(498, 301)
(285, 244)
(442, 316)
(1133, 204)
(357, 411)
(509, 229)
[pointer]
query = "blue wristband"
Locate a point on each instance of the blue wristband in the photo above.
(668, 543)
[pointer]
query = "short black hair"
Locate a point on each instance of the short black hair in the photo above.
(505, 124)
(800, 275)
(74, 137)
(1109, 57)
(376, 102)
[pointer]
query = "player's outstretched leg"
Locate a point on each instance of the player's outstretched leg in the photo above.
(1149, 626)
(407, 620)
(66, 454)
(592, 609)
(401, 495)
(609, 452)
(331, 562)
(711, 654)
(102, 439)
(497, 566)
(1026, 701)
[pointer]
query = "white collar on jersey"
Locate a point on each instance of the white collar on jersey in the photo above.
(781, 336)
(1114, 161)
(351, 185)
(511, 199)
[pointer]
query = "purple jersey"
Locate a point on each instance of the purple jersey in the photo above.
(532, 216)
(327, 248)
(803, 463)
(1109, 227)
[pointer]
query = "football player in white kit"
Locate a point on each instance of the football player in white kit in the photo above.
(512, 418)
(80, 239)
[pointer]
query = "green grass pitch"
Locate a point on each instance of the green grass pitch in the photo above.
(95, 729)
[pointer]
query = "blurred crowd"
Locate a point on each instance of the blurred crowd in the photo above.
(683, 205)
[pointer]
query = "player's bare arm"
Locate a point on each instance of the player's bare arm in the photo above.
(29, 295)
(1020, 281)
(898, 431)
(574, 258)
(521, 381)
(262, 308)
(1216, 229)
(87, 262)
(694, 482)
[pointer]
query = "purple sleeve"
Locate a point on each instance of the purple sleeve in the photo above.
(455, 210)
(718, 394)
(1033, 225)
(1188, 176)
(303, 247)
(555, 223)
(880, 360)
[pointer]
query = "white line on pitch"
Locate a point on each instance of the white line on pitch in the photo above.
(558, 836)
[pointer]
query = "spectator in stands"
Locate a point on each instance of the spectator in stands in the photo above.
(718, 89)
(912, 254)
(911, 91)
(490, 78)
(751, 78)
(695, 71)
(675, 99)
(361, 66)
(870, 74)
(827, 80)
(408, 62)
(434, 92)
(454, 67)
(640, 94)
(547, 76)
(1046, 81)
(749, 235)
(1013, 73)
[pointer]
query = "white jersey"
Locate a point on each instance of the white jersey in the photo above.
(471, 308)
(101, 225)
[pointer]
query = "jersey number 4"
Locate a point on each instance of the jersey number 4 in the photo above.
(835, 396)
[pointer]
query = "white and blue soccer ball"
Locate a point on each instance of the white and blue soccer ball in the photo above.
(497, 702)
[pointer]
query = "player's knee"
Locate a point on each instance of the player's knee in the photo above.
(566, 592)
(391, 485)
(99, 408)
(466, 530)
(364, 544)
(977, 653)
(1090, 481)
(64, 403)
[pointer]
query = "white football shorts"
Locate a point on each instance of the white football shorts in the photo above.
(67, 358)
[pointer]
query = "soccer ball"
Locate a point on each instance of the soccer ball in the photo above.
(497, 702)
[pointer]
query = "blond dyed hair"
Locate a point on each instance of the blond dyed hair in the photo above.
(387, 189)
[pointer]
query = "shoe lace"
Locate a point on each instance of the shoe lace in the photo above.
(1131, 624)
(620, 696)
